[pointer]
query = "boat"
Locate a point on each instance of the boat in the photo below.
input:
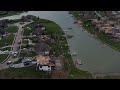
(75, 22)
(78, 62)
(69, 36)
(69, 28)
(65, 30)
(73, 54)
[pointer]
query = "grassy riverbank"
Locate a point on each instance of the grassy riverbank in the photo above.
(91, 28)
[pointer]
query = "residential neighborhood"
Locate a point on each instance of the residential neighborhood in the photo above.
(104, 21)
(59, 45)
(31, 47)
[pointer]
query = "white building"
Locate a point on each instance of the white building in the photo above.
(43, 63)
(45, 68)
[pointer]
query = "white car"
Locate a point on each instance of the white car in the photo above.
(29, 60)
(13, 66)
(9, 62)
(15, 52)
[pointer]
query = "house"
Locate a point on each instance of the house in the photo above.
(46, 39)
(108, 30)
(28, 17)
(4, 23)
(2, 33)
(44, 63)
(117, 35)
(38, 32)
(40, 26)
(27, 59)
(42, 48)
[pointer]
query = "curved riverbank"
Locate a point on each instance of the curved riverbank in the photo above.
(97, 75)
(52, 29)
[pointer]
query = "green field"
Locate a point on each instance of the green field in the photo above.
(8, 40)
(27, 54)
(23, 73)
(17, 62)
(11, 29)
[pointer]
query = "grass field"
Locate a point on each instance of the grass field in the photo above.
(11, 29)
(23, 73)
(8, 40)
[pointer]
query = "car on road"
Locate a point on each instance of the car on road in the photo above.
(12, 66)
(15, 52)
(9, 62)
(26, 63)
(14, 55)
(19, 42)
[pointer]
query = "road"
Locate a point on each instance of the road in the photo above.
(15, 45)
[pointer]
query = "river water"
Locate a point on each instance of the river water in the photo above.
(95, 56)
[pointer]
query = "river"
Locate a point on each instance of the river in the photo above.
(95, 56)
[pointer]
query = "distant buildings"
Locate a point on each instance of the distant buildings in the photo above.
(110, 25)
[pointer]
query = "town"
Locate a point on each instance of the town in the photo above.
(63, 45)
(104, 25)
(30, 47)
(31, 44)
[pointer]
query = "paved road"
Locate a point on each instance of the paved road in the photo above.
(15, 45)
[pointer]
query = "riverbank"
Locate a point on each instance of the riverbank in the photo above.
(87, 25)
(10, 13)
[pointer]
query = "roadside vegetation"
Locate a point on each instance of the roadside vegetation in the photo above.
(6, 48)
(3, 57)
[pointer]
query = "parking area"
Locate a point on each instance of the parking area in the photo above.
(20, 65)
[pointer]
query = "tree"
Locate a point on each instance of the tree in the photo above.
(22, 18)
